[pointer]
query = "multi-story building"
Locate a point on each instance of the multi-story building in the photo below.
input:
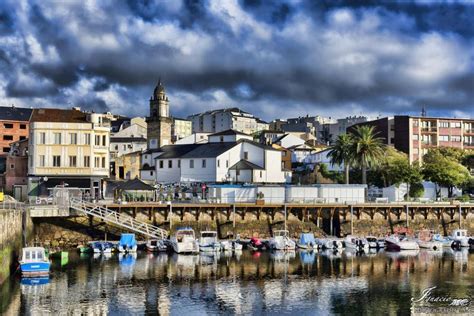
(13, 126)
(224, 119)
(277, 125)
(127, 166)
(415, 135)
(14, 179)
(68, 147)
(333, 130)
(180, 129)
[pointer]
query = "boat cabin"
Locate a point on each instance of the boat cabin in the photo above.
(33, 254)
(460, 233)
(281, 233)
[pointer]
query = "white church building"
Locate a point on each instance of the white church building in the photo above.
(228, 156)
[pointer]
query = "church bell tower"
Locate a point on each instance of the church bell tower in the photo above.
(159, 120)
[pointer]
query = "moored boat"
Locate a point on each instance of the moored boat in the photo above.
(208, 242)
(306, 241)
(356, 243)
(375, 243)
(156, 245)
(460, 235)
(445, 241)
(281, 241)
(425, 240)
(184, 241)
(34, 262)
(256, 244)
(127, 243)
(400, 242)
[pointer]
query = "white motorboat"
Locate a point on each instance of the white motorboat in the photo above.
(445, 241)
(208, 242)
(425, 241)
(400, 242)
(356, 243)
(281, 241)
(329, 243)
(226, 245)
(156, 245)
(184, 241)
(460, 235)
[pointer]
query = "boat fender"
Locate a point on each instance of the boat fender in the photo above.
(456, 244)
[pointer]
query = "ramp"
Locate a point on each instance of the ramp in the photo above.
(118, 219)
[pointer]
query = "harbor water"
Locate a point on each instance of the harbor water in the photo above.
(249, 283)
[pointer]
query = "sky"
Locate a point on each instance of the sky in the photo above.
(275, 59)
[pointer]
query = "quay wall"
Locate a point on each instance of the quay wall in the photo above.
(15, 229)
(72, 231)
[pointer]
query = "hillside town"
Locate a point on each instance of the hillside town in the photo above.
(106, 155)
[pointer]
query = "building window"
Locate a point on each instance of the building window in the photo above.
(42, 160)
(455, 124)
(191, 163)
(96, 162)
(103, 162)
(97, 140)
(42, 138)
(87, 161)
(22, 126)
(455, 138)
(104, 140)
(72, 161)
(73, 138)
(222, 139)
(12, 166)
(443, 124)
(237, 172)
(227, 163)
(261, 173)
(246, 155)
(415, 123)
(204, 163)
(8, 125)
(151, 173)
(416, 137)
(57, 138)
(22, 137)
(218, 163)
(56, 161)
(179, 163)
(87, 139)
(7, 137)
(161, 164)
(6, 149)
(444, 138)
(170, 163)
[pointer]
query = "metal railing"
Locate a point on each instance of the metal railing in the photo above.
(118, 219)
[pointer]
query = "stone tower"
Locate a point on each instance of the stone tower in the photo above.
(159, 120)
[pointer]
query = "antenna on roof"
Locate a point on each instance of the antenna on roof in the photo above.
(423, 111)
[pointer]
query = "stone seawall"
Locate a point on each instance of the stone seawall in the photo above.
(70, 232)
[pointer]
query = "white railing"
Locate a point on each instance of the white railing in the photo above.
(118, 219)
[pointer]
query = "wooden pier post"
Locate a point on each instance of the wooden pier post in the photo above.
(460, 226)
(406, 207)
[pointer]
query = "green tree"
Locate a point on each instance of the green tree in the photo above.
(367, 149)
(342, 153)
(445, 170)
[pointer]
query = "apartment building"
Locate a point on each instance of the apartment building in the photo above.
(68, 147)
(13, 126)
(224, 119)
(415, 135)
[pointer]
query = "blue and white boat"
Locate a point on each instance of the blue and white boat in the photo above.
(34, 262)
(307, 241)
(102, 246)
(127, 243)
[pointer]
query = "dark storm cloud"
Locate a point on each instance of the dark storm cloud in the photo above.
(274, 59)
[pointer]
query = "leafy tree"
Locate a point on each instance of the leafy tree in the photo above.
(367, 149)
(416, 190)
(342, 153)
(445, 170)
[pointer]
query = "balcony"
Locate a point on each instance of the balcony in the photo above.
(468, 144)
(429, 129)
(469, 131)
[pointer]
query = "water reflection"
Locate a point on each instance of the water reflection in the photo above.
(247, 282)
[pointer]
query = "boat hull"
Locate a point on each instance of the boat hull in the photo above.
(431, 245)
(32, 269)
(185, 247)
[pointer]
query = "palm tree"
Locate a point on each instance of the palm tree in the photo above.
(342, 153)
(368, 149)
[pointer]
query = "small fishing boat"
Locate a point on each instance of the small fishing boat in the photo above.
(34, 262)
(184, 241)
(127, 243)
(208, 242)
(445, 241)
(156, 245)
(356, 243)
(281, 241)
(400, 242)
(306, 241)
(425, 240)
(460, 235)
(256, 244)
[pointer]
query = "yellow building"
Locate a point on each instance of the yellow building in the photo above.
(68, 147)
(127, 166)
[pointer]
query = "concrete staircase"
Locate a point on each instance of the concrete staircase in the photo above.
(118, 219)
